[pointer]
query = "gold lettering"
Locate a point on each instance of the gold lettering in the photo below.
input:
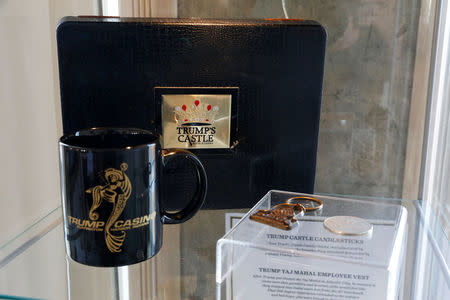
(145, 219)
(118, 225)
(90, 224)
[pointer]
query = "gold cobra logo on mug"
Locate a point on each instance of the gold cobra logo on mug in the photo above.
(116, 191)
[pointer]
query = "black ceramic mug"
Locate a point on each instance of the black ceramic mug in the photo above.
(110, 180)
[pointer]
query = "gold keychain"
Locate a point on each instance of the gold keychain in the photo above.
(284, 215)
(280, 216)
(309, 206)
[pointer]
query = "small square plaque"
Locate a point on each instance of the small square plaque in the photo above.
(196, 121)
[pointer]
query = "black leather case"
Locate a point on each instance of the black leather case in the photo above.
(109, 69)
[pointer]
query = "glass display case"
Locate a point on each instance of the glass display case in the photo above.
(308, 260)
(383, 139)
(33, 264)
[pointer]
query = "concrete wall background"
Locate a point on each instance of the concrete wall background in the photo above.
(367, 86)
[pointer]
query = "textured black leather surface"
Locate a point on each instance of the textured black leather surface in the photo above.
(110, 67)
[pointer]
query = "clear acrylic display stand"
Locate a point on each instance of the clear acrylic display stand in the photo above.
(257, 261)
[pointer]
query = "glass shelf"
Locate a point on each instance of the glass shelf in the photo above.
(33, 263)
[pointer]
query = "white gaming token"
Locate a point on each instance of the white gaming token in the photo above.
(348, 225)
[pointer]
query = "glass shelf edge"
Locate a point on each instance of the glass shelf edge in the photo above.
(29, 236)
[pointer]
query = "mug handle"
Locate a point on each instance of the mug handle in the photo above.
(200, 193)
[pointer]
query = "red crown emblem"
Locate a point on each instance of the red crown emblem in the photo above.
(196, 114)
